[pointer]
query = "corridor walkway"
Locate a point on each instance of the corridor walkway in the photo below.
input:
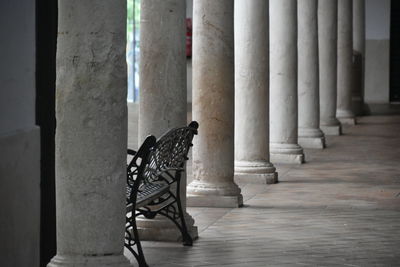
(341, 208)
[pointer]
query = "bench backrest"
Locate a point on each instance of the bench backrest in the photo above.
(159, 160)
(170, 153)
(137, 165)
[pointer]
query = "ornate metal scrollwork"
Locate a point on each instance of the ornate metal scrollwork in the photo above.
(164, 164)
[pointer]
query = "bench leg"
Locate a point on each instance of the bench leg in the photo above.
(186, 238)
(139, 254)
(174, 212)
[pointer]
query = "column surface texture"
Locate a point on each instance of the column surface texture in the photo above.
(252, 93)
(213, 106)
(283, 82)
(327, 46)
(163, 92)
(91, 135)
(359, 55)
(310, 135)
(344, 110)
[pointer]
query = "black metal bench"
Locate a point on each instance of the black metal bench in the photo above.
(153, 185)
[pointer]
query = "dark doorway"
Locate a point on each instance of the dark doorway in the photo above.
(46, 40)
(395, 52)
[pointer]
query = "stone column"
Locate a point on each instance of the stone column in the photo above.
(91, 134)
(359, 55)
(310, 135)
(213, 106)
(252, 93)
(283, 82)
(327, 46)
(163, 91)
(344, 110)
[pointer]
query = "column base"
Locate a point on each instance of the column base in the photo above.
(286, 153)
(347, 121)
(312, 142)
(255, 172)
(163, 229)
(218, 195)
(358, 106)
(311, 138)
(89, 261)
(332, 130)
(253, 178)
(288, 158)
(346, 117)
(214, 201)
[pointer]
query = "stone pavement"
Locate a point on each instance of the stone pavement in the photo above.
(341, 208)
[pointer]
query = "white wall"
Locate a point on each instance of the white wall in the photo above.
(189, 8)
(377, 19)
(17, 67)
(19, 137)
(377, 51)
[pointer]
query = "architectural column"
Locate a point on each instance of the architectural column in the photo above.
(213, 106)
(283, 82)
(163, 92)
(359, 55)
(91, 134)
(344, 110)
(310, 135)
(252, 93)
(327, 46)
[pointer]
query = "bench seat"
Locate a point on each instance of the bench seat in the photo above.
(147, 194)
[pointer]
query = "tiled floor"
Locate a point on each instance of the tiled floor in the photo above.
(341, 208)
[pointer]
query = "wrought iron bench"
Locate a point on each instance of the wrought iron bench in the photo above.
(153, 185)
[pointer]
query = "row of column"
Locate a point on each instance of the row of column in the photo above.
(307, 68)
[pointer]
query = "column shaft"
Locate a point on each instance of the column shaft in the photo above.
(283, 82)
(327, 46)
(91, 135)
(359, 55)
(251, 93)
(310, 136)
(345, 62)
(163, 102)
(213, 106)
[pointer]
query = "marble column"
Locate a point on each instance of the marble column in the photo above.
(283, 82)
(252, 93)
(163, 91)
(91, 134)
(359, 55)
(213, 106)
(344, 110)
(310, 135)
(327, 46)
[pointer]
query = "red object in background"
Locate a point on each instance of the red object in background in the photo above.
(188, 37)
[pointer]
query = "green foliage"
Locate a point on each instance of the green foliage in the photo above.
(133, 17)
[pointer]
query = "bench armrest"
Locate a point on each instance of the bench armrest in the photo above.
(131, 152)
